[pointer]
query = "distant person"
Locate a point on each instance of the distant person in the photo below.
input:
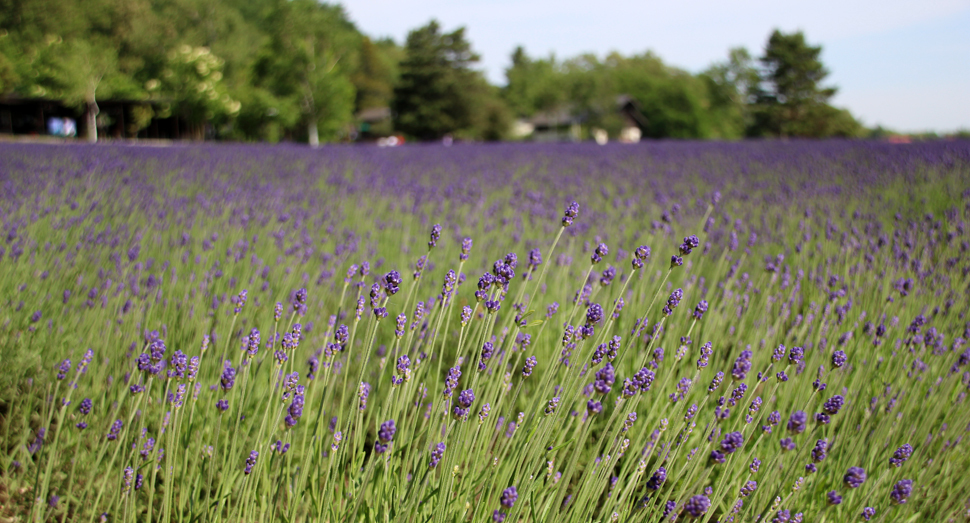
(70, 128)
(55, 127)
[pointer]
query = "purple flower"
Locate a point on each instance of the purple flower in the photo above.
(901, 491)
(901, 455)
(222, 405)
(362, 392)
(466, 397)
(631, 418)
(392, 282)
(833, 405)
(787, 444)
(820, 451)
(673, 301)
(572, 211)
(606, 277)
(717, 456)
(466, 249)
(63, 369)
(299, 302)
(668, 509)
(690, 243)
(594, 314)
(129, 474)
(228, 376)
(640, 255)
(657, 479)
(716, 382)
(834, 498)
(676, 261)
(552, 309)
(755, 465)
(530, 363)
(854, 477)
(700, 309)
(697, 506)
(436, 455)
(605, 378)
(748, 488)
(732, 442)
(386, 432)
(742, 366)
(115, 430)
(796, 355)
(435, 235)
(487, 350)
(838, 359)
(551, 406)
(509, 496)
(277, 312)
(598, 253)
(796, 423)
(778, 354)
(146, 449)
(295, 410)
(251, 462)
(868, 513)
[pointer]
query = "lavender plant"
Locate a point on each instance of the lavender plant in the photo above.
(200, 333)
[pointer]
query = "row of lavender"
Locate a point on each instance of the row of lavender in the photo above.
(762, 332)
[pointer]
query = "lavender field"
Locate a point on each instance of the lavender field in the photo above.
(668, 331)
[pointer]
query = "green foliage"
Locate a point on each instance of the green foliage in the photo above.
(790, 100)
(376, 74)
(437, 91)
(728, 85)
(307, 60)
(9, 78)
(532, 85)
(307, 70)
(674, 101)
(193, 76)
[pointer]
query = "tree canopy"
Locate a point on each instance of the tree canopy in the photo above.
(301, 70)
(789, 99)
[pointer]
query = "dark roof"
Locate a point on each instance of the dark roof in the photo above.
(374, 114)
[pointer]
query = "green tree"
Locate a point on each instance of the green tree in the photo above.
(192, 78)
(729, 86)
(789, 100)
(532, 85)
(674, 102)
(436, 93)
(307, 62)
(9, 78)
(375, 74)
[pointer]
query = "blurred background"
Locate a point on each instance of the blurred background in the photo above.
(388, 73)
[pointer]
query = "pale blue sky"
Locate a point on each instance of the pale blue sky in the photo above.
(903, 64)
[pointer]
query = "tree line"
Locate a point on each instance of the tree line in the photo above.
(300, 70)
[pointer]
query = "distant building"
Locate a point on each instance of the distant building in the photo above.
(564, 124)
(634, 122)
(374, 123)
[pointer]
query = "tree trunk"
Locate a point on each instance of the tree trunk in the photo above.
(314, 134)
(92, 121)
